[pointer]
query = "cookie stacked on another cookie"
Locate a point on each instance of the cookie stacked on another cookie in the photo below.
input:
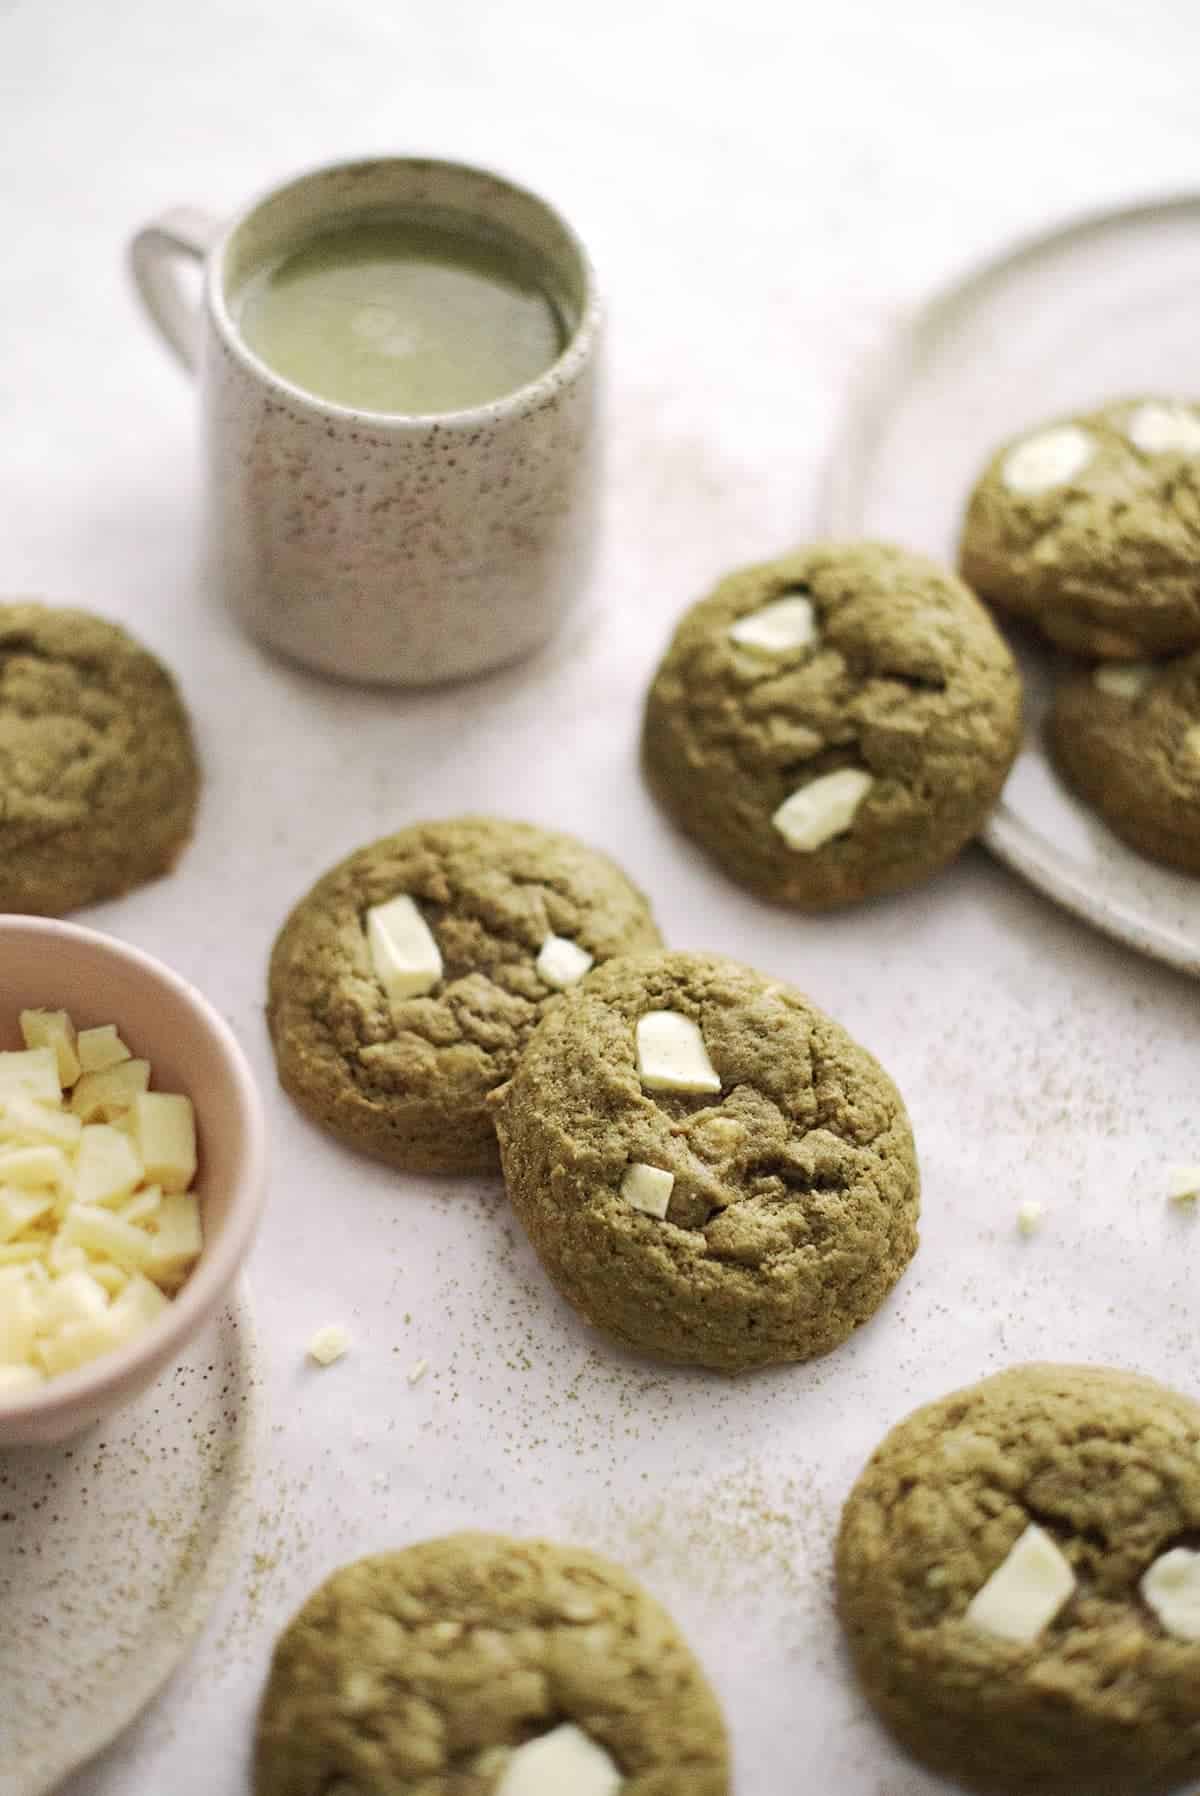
(1127, 737)
(98, 774)
(403, 987)
(1088, 528)
(1019, 1580)
(709, 1168)
(478, 1665)
(835, 724)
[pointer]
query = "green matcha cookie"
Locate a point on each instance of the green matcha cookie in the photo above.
(1089, 529)
(833, 725)
(98, 774)
(1127, 737)
(1018, 1578)
(403, 987)
(710, 1169)
(482, 1666)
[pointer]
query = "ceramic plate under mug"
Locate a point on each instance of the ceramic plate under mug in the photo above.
(113, 1548)
(1095, 310)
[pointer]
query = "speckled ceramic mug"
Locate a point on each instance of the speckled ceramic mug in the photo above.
(380, 546)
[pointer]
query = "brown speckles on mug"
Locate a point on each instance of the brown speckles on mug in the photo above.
(394, 549)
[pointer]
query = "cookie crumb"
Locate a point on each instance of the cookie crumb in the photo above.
(329, 1344)
(1183, 1184)
(1029, 1216)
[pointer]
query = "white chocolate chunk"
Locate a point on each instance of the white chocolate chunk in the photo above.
(75, 1297)
(564, 1762)
(20, 1381)
(19, 1210)
(143, 1205)
(110, 1093)
(1046, 460)
(1183, 1184)
(1159, 429)
(647, 1188)
(779, 627)
(32, 1074)
(35, 1168)
(822, 809)
(164, 1128)
(139, 1304)
(406, 959)
(562, 962)
(53, 1029)
(107, 1166)
(19, 1316)
(672, 1055)
(100, 1047)
(177, 1239)
(1172, 1589)
(1026, 1592)
(24, 1120)
(417, 1372)
(1191, 741)
(1127, 679)
(329, 1344)
(101, 1233)
(1029, 1216)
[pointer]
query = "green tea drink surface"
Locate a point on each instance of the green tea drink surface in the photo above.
(402, 315)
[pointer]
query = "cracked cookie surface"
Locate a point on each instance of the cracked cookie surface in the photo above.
(1128, 740)
(1104, 1700)
(794, 1205)
(417, 1673)
(904, 679)
(1104, 561)
(407, 1079)
(98, 774)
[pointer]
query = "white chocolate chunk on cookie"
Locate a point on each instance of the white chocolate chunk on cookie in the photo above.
(1191, 741)
(1047, 460)
(564, 1762)
(1025, 1592)
(406, 959)
(562, 962)
(823, 809)
(647, 1188)
(1172, 1589)
(672, 1055)
(1128, 679)
(1159, 429)
(779, 627)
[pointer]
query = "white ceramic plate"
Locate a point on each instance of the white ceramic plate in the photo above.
(113, 1550)
(1102, 307)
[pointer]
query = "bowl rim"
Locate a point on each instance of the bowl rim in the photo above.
(97, 1385)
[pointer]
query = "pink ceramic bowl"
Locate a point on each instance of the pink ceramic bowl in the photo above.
(58, 966)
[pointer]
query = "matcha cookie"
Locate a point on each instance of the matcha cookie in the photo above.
(1127, 737)
(1018, 1578)
(404, 986)
(833, 725)
(482, 1666)
(98, 774)
(1089, 529)
(710, 1169)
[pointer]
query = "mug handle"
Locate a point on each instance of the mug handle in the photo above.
(154, 254)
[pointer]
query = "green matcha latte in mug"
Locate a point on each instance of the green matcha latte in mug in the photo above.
(397, 363)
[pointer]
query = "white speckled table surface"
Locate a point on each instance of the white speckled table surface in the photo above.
(761, 186)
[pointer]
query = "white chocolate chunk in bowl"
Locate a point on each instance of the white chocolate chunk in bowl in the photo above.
(110, 1274)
